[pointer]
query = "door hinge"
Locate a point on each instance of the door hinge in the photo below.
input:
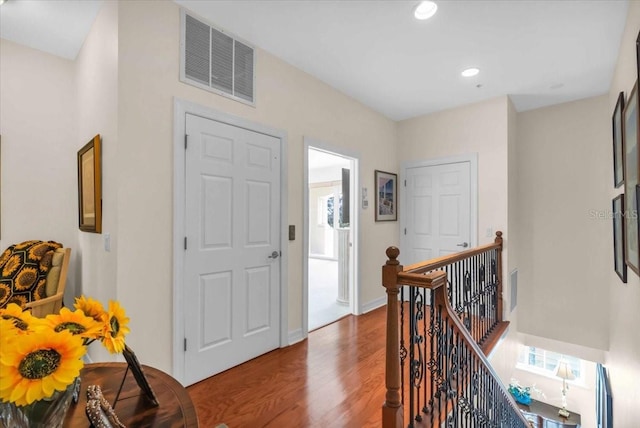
(185, 141)
(185, 242)
(405, 230)
(185, 344)
(405, 183)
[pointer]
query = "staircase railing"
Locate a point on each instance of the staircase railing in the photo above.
(436, 371)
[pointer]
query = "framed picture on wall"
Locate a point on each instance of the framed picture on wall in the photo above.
(630, 143)
(638, 56)
(90, 186)
(386, 196)
(616, 121)
(618, 237)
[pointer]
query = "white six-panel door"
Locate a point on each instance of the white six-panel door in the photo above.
(232, 263)
(438, 220)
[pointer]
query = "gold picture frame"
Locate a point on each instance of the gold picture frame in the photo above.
(90, 186)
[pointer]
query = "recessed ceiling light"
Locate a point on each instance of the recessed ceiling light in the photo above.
(2, 2)
(470, 72)
(425, 10)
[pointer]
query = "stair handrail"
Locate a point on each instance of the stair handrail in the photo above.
(426, 275)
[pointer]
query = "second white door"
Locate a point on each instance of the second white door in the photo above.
(438, 217)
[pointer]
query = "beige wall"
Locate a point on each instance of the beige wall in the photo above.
(286, 98)
(560, 164)
(38, 150)
(623, 360)
(504, 356)
(477, 128)
(97, 113)
(563, 256)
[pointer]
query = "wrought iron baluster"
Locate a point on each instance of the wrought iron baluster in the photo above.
(412, 308)
(419, 363)
(403, 349)
(474, 297)
(425, 350)
(433, 326)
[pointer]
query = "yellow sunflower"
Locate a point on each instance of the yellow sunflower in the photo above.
(39, 364)
(23, 320)
(114, 336)
(75, 322)
(5, 256)
(5, 293)
(91, 308)
(11, 265)
(26, 278)
(8, 331)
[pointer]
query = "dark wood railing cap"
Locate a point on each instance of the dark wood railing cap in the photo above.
(393, 253)
(498, 239)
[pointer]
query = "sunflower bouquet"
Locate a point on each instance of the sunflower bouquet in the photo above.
(42, 357)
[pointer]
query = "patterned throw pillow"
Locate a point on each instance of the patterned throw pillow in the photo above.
(23, 271)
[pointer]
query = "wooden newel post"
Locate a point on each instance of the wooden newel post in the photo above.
(392, 412)
(498, 240)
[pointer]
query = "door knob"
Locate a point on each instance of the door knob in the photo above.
(463, 245)
(274, 255)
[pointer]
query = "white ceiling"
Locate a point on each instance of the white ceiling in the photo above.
(538, 52)
(58, 27)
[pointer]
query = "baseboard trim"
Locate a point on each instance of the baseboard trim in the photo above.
(374, 304)
(295, 336)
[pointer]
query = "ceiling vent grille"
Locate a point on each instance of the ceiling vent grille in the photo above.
(214, 60)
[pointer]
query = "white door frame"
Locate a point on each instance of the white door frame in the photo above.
(472, 158)
(180, 111)
(354, 288)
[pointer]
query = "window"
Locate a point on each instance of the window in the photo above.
(323, 203)
(545, 362)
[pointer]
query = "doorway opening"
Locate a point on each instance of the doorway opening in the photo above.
(330, 232)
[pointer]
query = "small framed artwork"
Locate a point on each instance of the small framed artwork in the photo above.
(638, 55)
(138, 374)
(618, 157)
(90, 186)
(630, 143)
(618, 237)
(387, 196)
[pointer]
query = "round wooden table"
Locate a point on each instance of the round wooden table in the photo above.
(133, 408)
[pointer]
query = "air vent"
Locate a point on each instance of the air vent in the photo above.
(214, 60)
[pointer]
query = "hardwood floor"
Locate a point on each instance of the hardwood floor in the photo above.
(335, 378)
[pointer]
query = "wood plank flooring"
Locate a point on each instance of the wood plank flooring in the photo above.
(335, 378)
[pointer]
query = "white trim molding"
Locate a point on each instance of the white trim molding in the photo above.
(472, 159)
(181, 109)
(296, 336)
(354, 289)
(374, 304)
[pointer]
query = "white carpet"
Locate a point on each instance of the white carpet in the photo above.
(323, 292)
